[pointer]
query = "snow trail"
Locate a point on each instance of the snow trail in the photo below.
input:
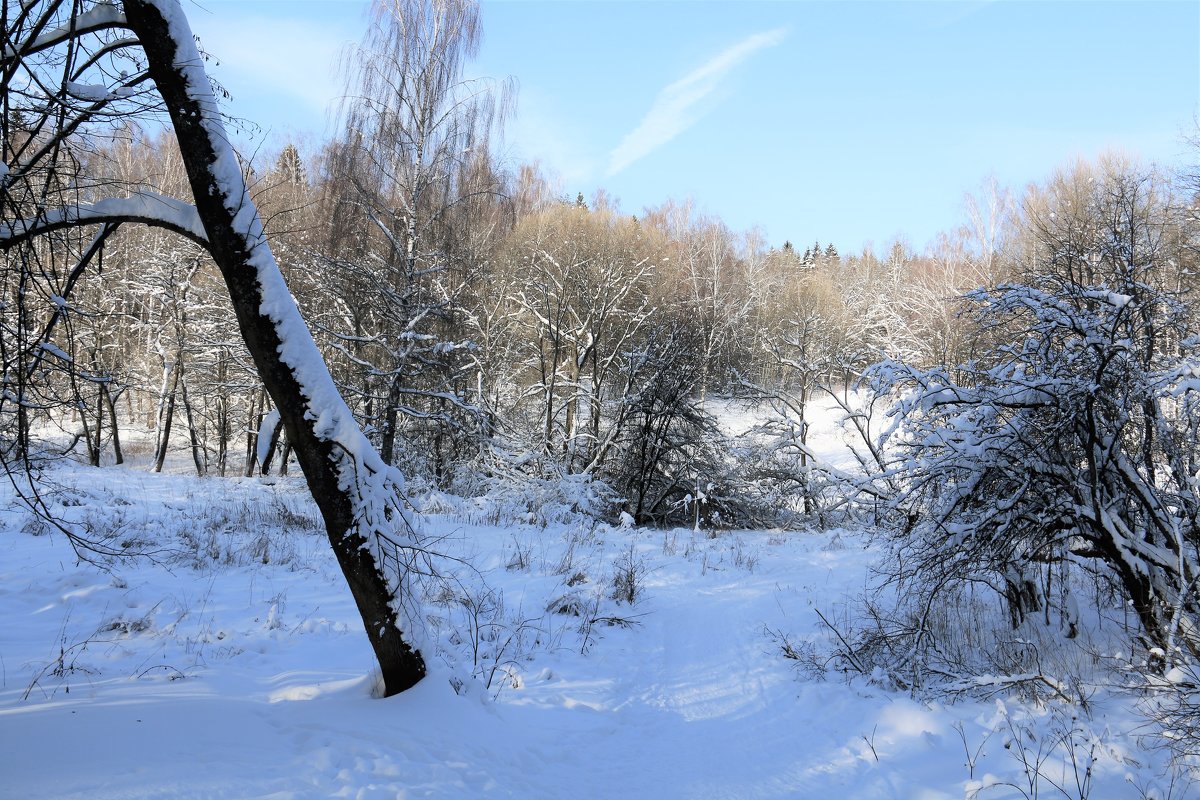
(698, 703)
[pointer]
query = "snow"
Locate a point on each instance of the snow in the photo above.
(142, 206)
(266, 432)
(98, 16)
(828, 439)
(87, 91)
(568, 658)
(1114, 299)
(55, 351)
(236, 666)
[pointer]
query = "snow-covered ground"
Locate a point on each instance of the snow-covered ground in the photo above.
(234, 665)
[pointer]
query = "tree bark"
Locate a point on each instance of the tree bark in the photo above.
(118, 456)
(264, 466)
(257, 403)
(198, 456)
(94, 451)
(165, 420)
(391, 419)
(222, 414)
(342, 471)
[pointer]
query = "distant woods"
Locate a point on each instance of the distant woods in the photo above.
(479, 322)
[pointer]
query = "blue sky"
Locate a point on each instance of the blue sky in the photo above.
(850, 122)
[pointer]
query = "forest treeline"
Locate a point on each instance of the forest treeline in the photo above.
(485, 326)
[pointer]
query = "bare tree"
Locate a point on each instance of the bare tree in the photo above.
(585, 299)
(412, 161)
(805, 347)
(714, 285)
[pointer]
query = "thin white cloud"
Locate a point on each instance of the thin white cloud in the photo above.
(677, 106)
(292, 61)
(540, 132)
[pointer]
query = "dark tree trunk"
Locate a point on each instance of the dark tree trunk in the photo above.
(112, 418)
(94, 449)
(222, 420)
(198, 455)
(226, 221)
(1022, 596)
(391, 419)
(164, 422)
(264, 467)
(256, 414)
(86, 435)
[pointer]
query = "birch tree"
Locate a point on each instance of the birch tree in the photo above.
(412, 157)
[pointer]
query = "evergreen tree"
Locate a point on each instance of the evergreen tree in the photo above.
(290, 167)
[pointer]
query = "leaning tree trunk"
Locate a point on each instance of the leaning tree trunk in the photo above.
(352, 486)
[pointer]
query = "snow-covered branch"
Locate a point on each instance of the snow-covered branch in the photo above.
(145, 208)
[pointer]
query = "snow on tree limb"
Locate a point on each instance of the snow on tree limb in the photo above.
(100, 16)
(147, 208)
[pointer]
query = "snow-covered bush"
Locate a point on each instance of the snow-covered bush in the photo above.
(533, 500)
(1062, 447)
(783, 483)
(1066, 446)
